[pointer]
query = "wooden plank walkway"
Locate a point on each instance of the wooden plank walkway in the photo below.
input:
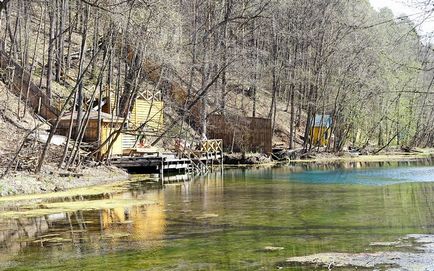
(186, 161)
(167, 162)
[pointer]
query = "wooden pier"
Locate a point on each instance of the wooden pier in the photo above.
(185, 161)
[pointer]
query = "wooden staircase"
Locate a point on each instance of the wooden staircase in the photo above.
(210, 150)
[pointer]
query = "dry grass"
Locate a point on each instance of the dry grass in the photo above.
(15, 124)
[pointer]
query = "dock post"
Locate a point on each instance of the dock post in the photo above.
(222, 155)
(221, 161)
(162, 172)
(206, 162)
(212, 162)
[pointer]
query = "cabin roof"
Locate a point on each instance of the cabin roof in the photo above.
(94, 116)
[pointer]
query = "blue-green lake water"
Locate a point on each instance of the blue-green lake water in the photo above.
(223, 221)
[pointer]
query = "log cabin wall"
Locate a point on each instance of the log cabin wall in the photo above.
(91, 133)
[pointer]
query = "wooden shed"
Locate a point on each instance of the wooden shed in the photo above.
(320, 130)
(149, 113)
(109, 124)
(241, 133)
(147, 110)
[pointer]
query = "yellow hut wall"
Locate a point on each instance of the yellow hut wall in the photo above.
(106, 130)
(320, 135)
(150, 112)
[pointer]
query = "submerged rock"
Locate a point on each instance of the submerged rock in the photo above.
(271, 248)
(422, 259)
(205, 216)
(385, 244)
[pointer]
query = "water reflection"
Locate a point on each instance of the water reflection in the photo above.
(83, 232)
(139, 223)
(13, 231)
(223, 221)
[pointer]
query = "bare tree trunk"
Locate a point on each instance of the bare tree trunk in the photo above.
(51, 44)
(80, 95)
(60, 39)
(292, 115)
(32, 66)
(224, 45)
(62, 112)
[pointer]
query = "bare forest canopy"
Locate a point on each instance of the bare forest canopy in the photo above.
(371, 72)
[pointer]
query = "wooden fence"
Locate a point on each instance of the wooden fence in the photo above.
(241, 133)
(21, 82)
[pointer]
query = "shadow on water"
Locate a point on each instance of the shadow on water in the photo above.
(222, 221)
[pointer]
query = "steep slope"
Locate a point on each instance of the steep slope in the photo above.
(19, 127)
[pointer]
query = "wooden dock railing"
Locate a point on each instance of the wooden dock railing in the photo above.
(213, 145)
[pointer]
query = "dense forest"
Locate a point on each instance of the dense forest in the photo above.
(280, 59)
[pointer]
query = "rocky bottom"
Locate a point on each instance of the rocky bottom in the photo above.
(414, 252)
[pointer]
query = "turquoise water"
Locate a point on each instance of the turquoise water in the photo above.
(222, 221)
(376, 176)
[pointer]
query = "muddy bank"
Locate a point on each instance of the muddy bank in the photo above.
(53, 180)
(246, 159)
(327, 157)
(413, 252)
(390, 155)
(294, 157)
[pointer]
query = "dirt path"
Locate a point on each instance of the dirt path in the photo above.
(53, 181)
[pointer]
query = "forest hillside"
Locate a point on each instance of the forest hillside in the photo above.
(288, 61)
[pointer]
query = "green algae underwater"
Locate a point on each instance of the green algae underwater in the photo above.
(241, 219)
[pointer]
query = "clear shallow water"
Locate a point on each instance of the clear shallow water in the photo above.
(361, 176)
(221, 222)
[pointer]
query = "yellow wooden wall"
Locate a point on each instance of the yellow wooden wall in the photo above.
(105, 133)
(148, 111)
(318, 135)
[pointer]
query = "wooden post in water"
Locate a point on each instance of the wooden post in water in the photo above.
(222, 155)
(212, 161)
(162, 171)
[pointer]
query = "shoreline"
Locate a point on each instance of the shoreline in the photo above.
(329, 158)
(23, 183)
(385, 157)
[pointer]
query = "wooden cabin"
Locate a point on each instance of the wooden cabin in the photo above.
(147, 113)
(145, 118)
(108, 125)
(320, 132)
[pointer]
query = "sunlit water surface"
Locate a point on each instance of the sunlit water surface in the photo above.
(222, 221)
